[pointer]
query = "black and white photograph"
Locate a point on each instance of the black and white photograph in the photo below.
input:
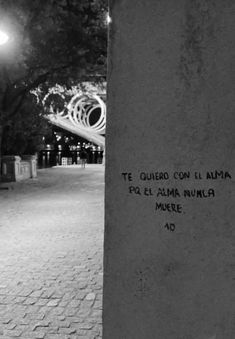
(117, 140)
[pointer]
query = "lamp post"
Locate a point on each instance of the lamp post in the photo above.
(3, 40)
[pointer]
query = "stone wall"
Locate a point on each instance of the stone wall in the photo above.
(170, 170)
(15, 168)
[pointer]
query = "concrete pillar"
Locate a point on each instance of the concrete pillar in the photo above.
(32, 159)
(11, 169)
(169, 170)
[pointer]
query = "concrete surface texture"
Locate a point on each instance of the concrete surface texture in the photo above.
(170, 171)
(51, 255)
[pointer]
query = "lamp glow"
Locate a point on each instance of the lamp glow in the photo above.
(3, 38)
(108, 19)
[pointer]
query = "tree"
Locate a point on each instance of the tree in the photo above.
(25, 133)
(52, 41)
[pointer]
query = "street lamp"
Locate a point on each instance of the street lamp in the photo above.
(3, 38)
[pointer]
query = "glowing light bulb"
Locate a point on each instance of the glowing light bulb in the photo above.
(3, 38)
(108, 19)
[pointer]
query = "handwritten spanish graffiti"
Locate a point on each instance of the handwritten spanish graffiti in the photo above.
(171, 189)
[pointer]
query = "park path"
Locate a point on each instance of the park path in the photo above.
(51, 249)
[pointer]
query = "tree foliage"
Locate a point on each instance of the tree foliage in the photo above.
(25, 133)
(51, 41)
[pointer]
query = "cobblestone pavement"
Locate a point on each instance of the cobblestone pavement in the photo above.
(51, 249)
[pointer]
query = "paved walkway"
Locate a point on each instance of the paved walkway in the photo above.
(51, 249)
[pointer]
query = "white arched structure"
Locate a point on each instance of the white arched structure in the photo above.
(85, 115)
